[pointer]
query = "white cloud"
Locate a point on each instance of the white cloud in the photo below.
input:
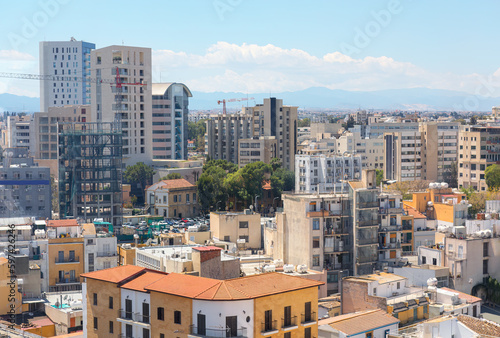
(12, 61)
(253, 68)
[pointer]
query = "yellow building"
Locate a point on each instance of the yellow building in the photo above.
(173, 198)
(11, 298)
(140, 302)
(237, 227)
(126, 254)
(66, 255)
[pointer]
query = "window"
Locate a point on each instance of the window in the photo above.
(243, 225)
(399, 285)
(110, 302)
(316, 260)
(161, 313)
(287, 320)
(315, 242)
(268, 320)
(95, 298)
(424, 260)
(177, 317)
(227, 239)
(162, 335)
(110, 326)
(369, 334)
(145, 333)
(315, 223)
(307, 332)
(187, 197)
(287, 335)
(175, 198)
(374, 291)
(485, 267)
(485, 249)
(434, 261)
(95, 323)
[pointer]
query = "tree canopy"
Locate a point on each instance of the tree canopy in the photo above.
(304, 122)
(492, 177)
(171, 176)
(196, 132)
(139, 175)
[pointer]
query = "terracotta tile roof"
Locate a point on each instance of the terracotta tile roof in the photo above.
(462, 295)
(233, 289)
(3, 260)
(116, 274)
(42, 322)
(480, 326)
(147, 278)
(171, 184)
(358, 322)
(413, 212)
(266, 185)
(62, 223)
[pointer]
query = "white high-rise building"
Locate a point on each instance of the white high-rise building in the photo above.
(133, 107)
(63, 59)
(325, 173)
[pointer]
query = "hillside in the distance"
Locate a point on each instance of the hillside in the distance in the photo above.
(14, 103)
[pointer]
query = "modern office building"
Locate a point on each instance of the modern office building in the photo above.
(224, 133)
(272, 118)
(479, 147)
(132, 104)
(25, 188)
(325, 173)
(64, 59)
(90, 171)
(170, 121)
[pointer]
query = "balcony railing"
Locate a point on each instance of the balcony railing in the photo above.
(367, 223)
(308, 318)
(134, 316)
(107, 254)
(288, 322)
(270, 326)
(362, 205)
(217, 332)
(67, 280)
(75, 259)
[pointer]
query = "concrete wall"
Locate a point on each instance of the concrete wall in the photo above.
(170, 303)
(104, 290)
(229, 224)
(355, 297)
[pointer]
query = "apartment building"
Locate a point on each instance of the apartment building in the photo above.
(479, 148)
(256, 149)
(421, 154)
(64, 60)
(242, 228)
(19, 132)
(272, 118)
(314, 230)
(385, 291)
(325, 173)
(371, 150)
(130, 106)
(224, 132)
(25, 188)
(46, 130)
(170, 121)
(173, 198)
(254, 306)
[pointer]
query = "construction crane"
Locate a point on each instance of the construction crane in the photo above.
(223, 101)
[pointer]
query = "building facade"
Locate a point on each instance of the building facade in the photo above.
(242, 228)
(256, 149)
(170, 117)
(20, 133)
(131, 105)
(64, 60)
(173, 198)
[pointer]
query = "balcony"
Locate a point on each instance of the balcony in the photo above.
(368, 223)
(364, 205)
(269, 328)
(390, 211)
(67, 280)
(68, 260)
(217, 333)
(289, 323)
(133, 316)
(308, 318)
(391, 228)
(107, 254)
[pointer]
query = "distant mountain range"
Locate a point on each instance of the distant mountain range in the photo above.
(320, 98)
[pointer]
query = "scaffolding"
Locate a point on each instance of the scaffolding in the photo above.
(90, 171)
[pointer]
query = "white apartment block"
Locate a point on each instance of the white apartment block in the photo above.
(132, 107)
(19, 133)
(371, 150)
(63, 59)
(325, 173)
(170, 121)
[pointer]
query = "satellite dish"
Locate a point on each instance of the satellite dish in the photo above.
(233, 250)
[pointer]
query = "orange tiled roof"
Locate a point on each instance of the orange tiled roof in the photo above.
(42, 322)
(3, 260)
(171, 184)
(266, 185)
(62, 223)
(147, 278)
(415, 213)
(462, 295)
(480, 326)
(358, 322)
(233, 289)
(116, 274)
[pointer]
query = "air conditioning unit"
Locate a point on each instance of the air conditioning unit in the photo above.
(395, 293)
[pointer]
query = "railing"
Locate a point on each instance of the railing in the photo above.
(288, 322)
(75, 259)
(367, 241)
(134, 316)
(390, 228)
(107, 254)
(270, 326)
(372, 222)
(217, 332)
(308, 317)
(67, 280)
(362, 205)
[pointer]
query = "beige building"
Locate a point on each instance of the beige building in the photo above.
(132, 107)
(173, 198)
(242, 228)
(478, 149)
(371, 150)
(256, 149)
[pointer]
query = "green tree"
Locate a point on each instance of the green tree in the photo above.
(253, 175)
(196, 132)
(211, 192)
(234, 186)
(450, 175)
(379, 176)
(282, 179)
(139, 175)
(492, 177)
(473, 120)
(275, 163)
(133, 200)
(229, 167)
(349, 124)
(304, 123)
(171, 176)
(55, 194)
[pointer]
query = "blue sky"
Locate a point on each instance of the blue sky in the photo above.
(257, 46)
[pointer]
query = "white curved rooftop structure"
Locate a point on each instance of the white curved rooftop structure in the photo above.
(161, 88)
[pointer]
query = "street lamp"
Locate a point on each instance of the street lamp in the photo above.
(256, 196)
(217, 205)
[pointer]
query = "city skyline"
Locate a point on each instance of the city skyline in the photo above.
(241, 46)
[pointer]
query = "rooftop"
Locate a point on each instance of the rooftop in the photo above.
(147, 278)
(62, 223)
(358, 322)
(480, 326)
(468, 298)
(171, 184)
(381, 278)
(116, 274)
